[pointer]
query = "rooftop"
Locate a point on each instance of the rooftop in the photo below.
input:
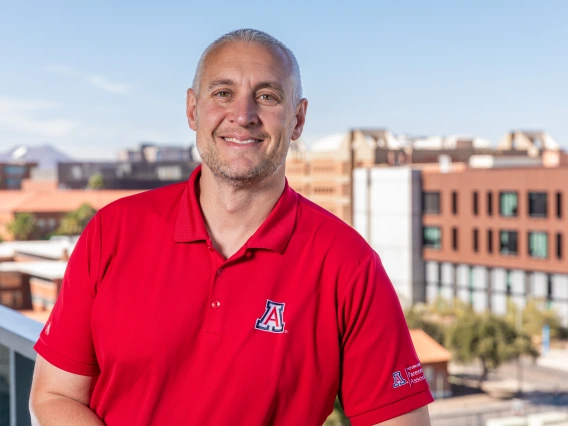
(55, 201)
(49, 270)
(428, 350)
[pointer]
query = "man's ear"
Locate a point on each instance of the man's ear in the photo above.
(301, 111)
(191, 109)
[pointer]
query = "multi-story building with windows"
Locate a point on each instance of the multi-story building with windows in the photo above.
(324, 173)
(490, 234)
(13, 174)
(483, 235)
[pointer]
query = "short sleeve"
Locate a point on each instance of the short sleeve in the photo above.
(381, 376)
(66, 340)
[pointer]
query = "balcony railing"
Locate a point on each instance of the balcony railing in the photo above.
(17, 357)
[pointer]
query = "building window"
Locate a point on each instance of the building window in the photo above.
(508, 204)
(454, 239)
(559, 245)
(538, 245)
(475, 203)
(508, 283)
(537, 204)
(559, 205)
(489, 203)
(431, 203)
(17, 171)
(454, 202)
(489, 241)
(475, 240)
(432, 237)
(508, 242)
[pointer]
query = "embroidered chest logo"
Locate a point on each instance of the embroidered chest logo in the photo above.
(273, 318)
(398, 380)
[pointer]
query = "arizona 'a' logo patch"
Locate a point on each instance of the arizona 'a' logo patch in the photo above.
(398, 380)
(273, 318)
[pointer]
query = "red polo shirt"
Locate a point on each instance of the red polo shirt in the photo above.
(177, 335)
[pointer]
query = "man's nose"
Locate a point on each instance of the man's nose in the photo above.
(244, 111)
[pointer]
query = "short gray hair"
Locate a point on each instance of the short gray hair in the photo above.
(248, 35)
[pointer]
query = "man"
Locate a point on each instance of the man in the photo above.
(228, 299)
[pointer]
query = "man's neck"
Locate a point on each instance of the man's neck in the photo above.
(232, 215)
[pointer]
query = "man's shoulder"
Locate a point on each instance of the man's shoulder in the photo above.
(330, 229)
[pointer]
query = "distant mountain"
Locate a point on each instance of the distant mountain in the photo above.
(46, 156)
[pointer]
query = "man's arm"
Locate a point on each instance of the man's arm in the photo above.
(60, 398)
(419, 417)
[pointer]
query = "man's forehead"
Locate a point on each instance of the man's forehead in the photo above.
(232, 54)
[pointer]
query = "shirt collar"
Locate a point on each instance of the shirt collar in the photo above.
(274, 233)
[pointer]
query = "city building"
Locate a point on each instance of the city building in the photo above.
(148, 167)
(479, 232)
(494, 234)
(12, 174)
(324, 173)
(49, 205)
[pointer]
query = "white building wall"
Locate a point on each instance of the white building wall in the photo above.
(539, 285)
(387, 213)
(518, 280)
(447, 291)
(560, 293)
(498, 296)
(361, 202)
(431, 282)
(480, 295)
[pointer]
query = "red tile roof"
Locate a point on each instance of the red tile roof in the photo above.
(428, 350)
(57, 200)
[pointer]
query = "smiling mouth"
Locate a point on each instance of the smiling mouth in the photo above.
(241, 142)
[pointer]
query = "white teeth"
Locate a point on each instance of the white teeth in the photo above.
(241, 142)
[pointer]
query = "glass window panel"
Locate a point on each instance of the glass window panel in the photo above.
(432, 237)
(508, 203)
(538, 244)
(431, 202)
(537, 204)
(508, 242)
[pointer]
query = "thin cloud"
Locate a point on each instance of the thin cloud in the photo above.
(107, 85)
(15, 115)
(98, 81)
(16, 104)
(61, 70)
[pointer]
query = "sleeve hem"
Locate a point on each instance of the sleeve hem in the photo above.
(64, 363)
(393, 410)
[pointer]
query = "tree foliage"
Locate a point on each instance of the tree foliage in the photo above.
(417, 317)
(23, 227)
(75, 221)
(487, 338)
(534, 316)
(96, 181)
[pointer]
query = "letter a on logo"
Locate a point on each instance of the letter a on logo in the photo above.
(273, 318)
(398, 380)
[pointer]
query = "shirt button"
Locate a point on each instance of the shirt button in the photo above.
(220, 272)
(215, 304)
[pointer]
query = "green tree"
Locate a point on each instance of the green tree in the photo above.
(96, 181)
(417, 317)
(487, 338)
(75, 221)
(23, 227)
(534, 316)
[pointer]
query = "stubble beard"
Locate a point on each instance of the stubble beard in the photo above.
(241, 179)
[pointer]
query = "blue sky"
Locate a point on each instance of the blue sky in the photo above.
(95, 77)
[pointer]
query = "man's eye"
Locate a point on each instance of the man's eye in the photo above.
(222, 94)
(266, 97)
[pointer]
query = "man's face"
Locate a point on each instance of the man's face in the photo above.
(244, 114)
